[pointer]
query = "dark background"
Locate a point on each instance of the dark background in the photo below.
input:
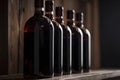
(110, 33)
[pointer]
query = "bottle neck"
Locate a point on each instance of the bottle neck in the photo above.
(70, 22)
(49, 8)
(49, 15)
(71, 18)
(82, 23)
(82, 20)
(77, 23)
(39, 11)
(79, 20)
(59, 14)
(59, 20)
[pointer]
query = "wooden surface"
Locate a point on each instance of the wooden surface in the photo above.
(93, 75)
(13, 32)
(19, 12)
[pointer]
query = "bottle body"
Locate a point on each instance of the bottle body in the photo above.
(39, 49)
(77, 49)
(29, 47)
(67, 41)
(86, 42)
(67, 50)
(58, 49)
(86, 50)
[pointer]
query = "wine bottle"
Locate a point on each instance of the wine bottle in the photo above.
(86, 42)
(38, 44)
(77, 42)
(58, 42)
(67, 41)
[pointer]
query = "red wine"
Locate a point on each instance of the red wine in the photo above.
(86, 42)
(58, 41)
(38, 45)
(67, 41)
(77, 42)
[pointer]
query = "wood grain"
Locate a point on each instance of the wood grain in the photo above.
(93, 75)
(19, 12)
(13, 31)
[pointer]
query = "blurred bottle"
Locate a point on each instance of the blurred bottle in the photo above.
(67, 41)
(86, 42)
(58, 41)
(77, 42)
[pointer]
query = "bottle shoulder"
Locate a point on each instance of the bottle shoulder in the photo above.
(66, 28)
(46, 19)
(41, 20)
(57, 25)
(31, 20)
(76, 30)
(46, 22)
(63, 25)
(79, 30)
(30, 24)
(85, 31)
(88, 32)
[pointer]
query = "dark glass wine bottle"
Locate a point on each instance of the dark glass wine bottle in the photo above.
(67, 41)
(86, 42)
(38, 45)
(58, 42)
(77, 42)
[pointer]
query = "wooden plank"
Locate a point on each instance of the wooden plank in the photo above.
(3, 37)
(93, 75)
(13, 29)
(95, 36)
(19, 12)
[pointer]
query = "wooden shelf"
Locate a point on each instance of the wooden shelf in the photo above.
(93, 75)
